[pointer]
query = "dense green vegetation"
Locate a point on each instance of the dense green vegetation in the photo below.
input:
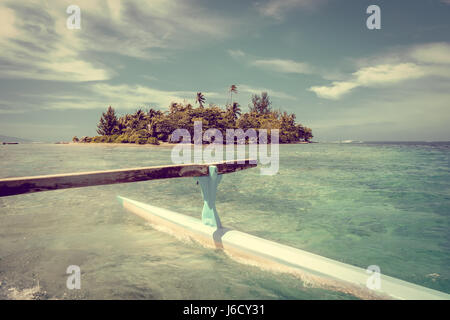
(154, 125)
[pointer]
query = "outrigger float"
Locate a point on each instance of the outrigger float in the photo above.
(313, 269)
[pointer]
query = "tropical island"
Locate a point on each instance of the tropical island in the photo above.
(155, 126)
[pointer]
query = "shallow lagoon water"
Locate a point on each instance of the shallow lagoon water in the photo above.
(379, 204)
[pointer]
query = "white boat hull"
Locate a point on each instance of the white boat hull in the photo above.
(313, 269)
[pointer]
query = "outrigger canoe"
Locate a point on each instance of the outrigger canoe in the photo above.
(208, 231)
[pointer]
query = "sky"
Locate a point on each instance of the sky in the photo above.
(315, 58)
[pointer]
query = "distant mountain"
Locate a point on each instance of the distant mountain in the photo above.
(13, 139)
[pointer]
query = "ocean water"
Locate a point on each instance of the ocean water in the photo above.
(385, 204)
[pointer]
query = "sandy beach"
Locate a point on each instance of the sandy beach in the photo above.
(161, 144)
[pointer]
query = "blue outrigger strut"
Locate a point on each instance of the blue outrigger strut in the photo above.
(209, 185)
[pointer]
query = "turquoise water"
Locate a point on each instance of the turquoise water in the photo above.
(362, 204)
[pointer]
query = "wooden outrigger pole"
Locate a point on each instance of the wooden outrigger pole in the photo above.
(208, 231)
(20, 185)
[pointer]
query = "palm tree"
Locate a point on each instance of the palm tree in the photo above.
(122, 124)
(174, 107)
(152, 113)
(200, 99)
(135, 120)
(139, 114)
(233, 89)
(235, 109)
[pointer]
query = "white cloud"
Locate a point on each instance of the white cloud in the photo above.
(34, 47)
(122, 97)
(335, 91)
(283, 66)
(236, 53)
(436, 53)
(129, 97)
(273, 64)
(388, 73)
(8, 20)
(430, 60)
(277, 8)
(272, 93)
(36, 44)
